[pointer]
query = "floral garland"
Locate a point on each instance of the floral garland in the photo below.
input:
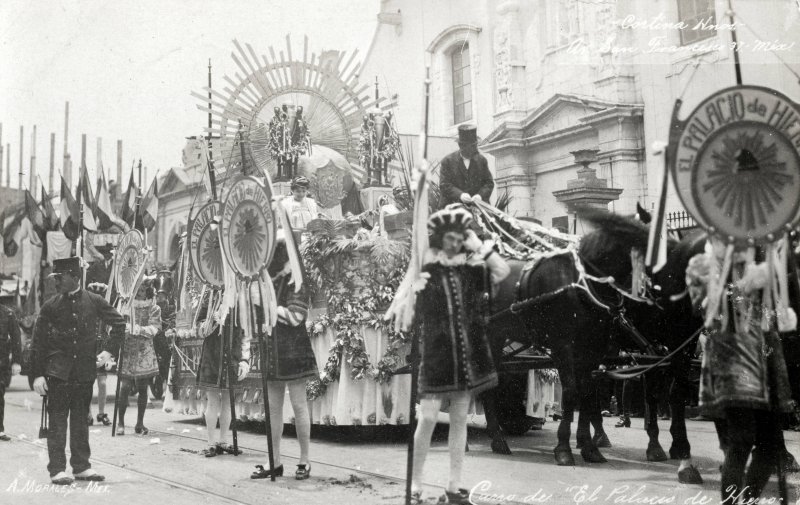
(278, 148)
(367, 145)
(348, 314)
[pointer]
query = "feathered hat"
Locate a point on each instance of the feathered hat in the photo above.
(451, 218)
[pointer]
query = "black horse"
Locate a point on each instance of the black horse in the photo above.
(557, 306)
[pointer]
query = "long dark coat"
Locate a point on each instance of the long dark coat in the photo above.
(455, 350)
(456, 178)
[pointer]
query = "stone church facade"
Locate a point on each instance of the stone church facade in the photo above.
(569, 95)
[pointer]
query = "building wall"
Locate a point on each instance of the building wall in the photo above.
(528, 53)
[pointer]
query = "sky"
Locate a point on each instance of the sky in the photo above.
(128, 68)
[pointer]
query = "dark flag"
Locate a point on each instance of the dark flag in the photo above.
(148, 210)
(70, 213)
(129, 203)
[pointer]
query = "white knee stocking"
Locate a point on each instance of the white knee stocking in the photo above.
(426, 422)
(302, 417)
(457, 438)
(277, 390)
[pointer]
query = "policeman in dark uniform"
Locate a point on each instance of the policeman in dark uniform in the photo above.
(65, 366)
(9, 345)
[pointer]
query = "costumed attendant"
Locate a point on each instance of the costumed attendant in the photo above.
(736, 389)
(212, 375)
(65, 363)
(291, 363)
(456, 360)
(139, 364)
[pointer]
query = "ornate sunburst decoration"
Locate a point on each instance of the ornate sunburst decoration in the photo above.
(748, 177)
(326, 86)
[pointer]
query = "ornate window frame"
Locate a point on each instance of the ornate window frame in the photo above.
(439, 52)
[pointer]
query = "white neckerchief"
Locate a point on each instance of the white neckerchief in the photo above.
(466, 161)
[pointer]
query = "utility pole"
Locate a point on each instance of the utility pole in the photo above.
(66, 170)
(119, 162)
(52, 162)
(32, 175)
(21, 136)
(1, 153)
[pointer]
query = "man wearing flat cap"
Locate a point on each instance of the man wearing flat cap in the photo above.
(65, 364)
(465, 173)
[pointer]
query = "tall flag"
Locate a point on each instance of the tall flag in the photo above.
(35, 215)
(656, 256)
(70, 213)
(105, 212)
(148, 210)
(89, 205)
(129, 203)
(50, 217)
(10, 225)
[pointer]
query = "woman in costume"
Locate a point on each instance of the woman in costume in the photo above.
(742, 387)
(456, 360)
(212, 376)
(139, 363)
(291, 363)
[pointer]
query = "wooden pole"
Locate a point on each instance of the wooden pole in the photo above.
(212, 178)
(83, 150)
(21, 156)
(265, 385)
(412, 421)
(1, 153)
(737, 67)
(32, 174)
(52, 161)
(99, 157)
(119, 162)
(66, 170)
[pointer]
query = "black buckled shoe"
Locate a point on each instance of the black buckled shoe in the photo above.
(459, 498)
(227, 449)
(303, 472)
(210, 451)
(141, 429)
(624, 422)
(103, 418)
(263, 473)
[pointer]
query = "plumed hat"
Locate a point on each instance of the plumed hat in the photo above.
(449, 219)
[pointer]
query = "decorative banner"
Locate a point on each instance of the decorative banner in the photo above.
(248, 228)
(205, 252)
(130, 256)
(736, 163)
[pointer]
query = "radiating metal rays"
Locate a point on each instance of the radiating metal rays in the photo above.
(326, 85)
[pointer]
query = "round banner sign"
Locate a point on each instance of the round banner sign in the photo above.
(736, 163)
(248, 227)
(204, 247)
(130, 255)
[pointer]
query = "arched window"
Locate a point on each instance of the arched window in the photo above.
(462, 84)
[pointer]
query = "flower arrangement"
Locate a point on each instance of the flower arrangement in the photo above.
(354, 302)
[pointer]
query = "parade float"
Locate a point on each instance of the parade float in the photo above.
(310, 117)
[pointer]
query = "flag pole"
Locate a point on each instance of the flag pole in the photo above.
(80, 222)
